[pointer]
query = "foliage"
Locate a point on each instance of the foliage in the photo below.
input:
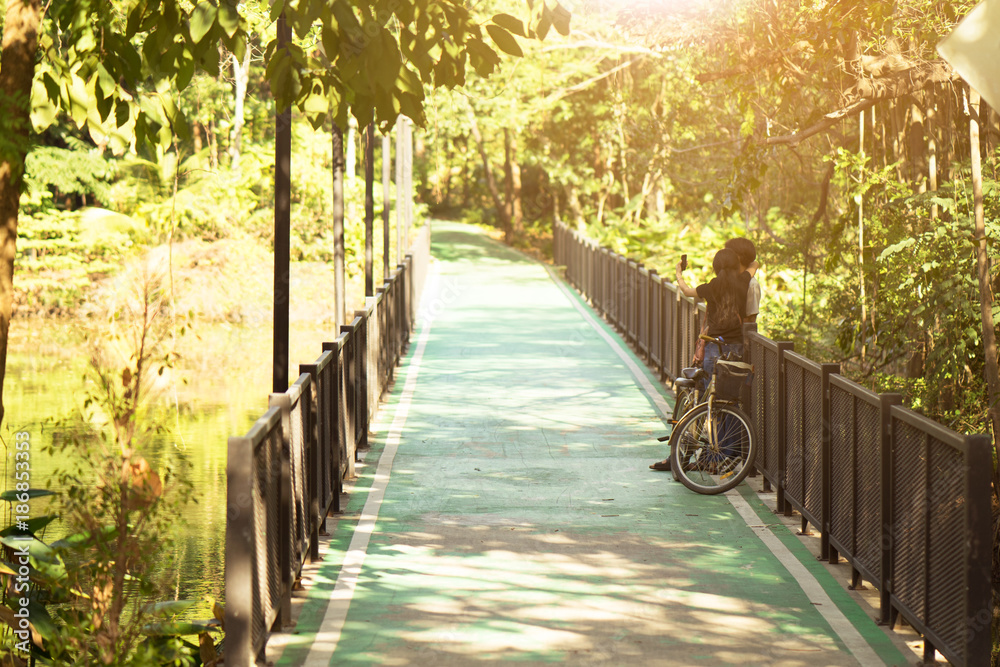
(119, 511)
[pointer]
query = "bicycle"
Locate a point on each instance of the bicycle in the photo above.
(712, 445)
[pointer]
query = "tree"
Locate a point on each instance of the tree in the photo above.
(115, 69)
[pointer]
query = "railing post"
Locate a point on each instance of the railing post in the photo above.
(979, 533)
(361, 441)
(240, 552)
(783, 505)
(826, 465)
(340, 427)
(886, 401)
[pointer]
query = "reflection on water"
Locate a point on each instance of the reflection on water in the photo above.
(216, 390)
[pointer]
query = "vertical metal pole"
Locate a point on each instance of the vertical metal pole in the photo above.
(338, 227)
(400, 198)
(351, 147)
(408, 177)
(386, 168)
(369, 209)
(282, 228)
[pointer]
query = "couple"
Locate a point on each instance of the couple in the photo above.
(732, 298)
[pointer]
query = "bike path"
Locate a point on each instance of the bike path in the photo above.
(506, 511)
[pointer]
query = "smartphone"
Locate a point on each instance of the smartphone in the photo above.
(684, 262)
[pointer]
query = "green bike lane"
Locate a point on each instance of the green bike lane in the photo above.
(505, 511)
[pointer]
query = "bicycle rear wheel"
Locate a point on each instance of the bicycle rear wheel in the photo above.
(684, 400)
(712, 454)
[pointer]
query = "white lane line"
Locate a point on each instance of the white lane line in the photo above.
(637, 373)
(325, 642)
(860, 648)
(855, 643)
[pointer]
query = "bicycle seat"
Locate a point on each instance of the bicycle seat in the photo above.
(689, 378)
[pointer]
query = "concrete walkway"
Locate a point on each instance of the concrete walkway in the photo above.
(506, 511)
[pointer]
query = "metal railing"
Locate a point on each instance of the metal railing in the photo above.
(652, 315)
(905, 500)
(286, 474)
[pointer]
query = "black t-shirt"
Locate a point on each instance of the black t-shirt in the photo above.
(731, 330)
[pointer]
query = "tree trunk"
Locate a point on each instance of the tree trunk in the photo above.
(339, 278)
(985, 292)
(573, 203)
(213, 146)
(498, 202)
(513, 172)
(17, 68)
(241, 76)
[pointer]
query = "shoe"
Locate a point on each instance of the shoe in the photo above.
(661, 465)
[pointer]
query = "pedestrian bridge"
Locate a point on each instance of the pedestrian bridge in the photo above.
(499, 505)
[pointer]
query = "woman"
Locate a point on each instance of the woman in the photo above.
(726, 299)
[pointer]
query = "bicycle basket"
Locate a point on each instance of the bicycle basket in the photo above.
(730, 376)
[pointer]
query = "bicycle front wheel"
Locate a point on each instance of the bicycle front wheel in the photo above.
(712, 448)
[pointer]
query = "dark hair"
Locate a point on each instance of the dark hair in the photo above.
(727, 268)
(744, 248)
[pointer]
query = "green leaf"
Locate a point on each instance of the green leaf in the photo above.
(185, 72)
(202, 20)
(37, 549)
(168, 608)
(11, 496)
(560, 19)
(510, 24)
(317, 101)
(387, 61)
(122, 113)
(409, 82)
(173, 629)
(504, 40)
(35, 524)
(544, 23)
(229, 18)
(79, 101)
(484, 59)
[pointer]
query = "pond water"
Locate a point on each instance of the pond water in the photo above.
(217, 389)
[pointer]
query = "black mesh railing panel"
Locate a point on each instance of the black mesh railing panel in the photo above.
(258, 588)
(656, 324)
(909, 532)
(327, 415)
(269, 481)
(297, 455)
(642, 313)
(757, 402)
(769, 403)
(946, 598)
(793, 433)
(869, 483)
(842, 453)
(669, 331)
(812, 442)
(345, 416)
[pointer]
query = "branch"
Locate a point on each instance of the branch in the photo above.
(594, 79)
(869, 91)
(828, 121)
(599, 44)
